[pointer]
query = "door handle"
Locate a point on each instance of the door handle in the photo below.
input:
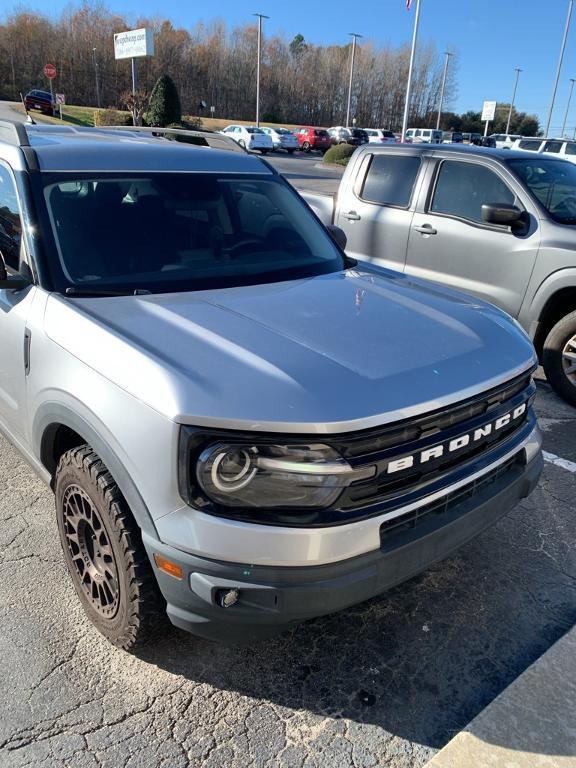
(426, 229)
(352, 216)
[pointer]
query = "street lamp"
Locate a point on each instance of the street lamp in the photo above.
(562, 49)
(517, 70)
(568, 105)
(96, 77)
(260, 17)
(354, 36)
(447, 54)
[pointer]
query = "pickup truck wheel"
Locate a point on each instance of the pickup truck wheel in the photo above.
(104, 551)
(559, 358)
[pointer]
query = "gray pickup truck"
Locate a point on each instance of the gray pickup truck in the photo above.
(243, 428)
(496, 223)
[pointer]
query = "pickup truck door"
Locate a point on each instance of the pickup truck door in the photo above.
(14, 308)
(375, 205)
(451, 244)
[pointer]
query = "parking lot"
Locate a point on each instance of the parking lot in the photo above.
(386, 683)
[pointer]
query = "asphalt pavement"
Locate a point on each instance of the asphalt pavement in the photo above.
(386, 683)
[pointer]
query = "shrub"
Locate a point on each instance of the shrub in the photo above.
(164, 107)
(111, 117)
(339, 154)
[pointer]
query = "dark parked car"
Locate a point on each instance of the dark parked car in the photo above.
(353, 136)
(451, 137)
(41, 100)
(488, 141)
(472, 138)
(313, 138)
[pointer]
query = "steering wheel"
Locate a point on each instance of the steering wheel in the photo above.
(245, 246)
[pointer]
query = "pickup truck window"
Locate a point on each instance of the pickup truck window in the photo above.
(552, 182)
(462, 188)
(181, 232)
(390, 179)
(10, 222)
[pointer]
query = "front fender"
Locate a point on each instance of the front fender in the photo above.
(559, 280)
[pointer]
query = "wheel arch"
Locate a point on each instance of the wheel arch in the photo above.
(556, 306)
(57, 429)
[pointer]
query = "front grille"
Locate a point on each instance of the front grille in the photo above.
(447, 507)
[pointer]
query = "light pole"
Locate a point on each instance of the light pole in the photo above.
(517, 70)
(354, 36)
(447, 54)
(260, 17)
(560, 60)
(568, 105)
(410, 70)
(96, 77)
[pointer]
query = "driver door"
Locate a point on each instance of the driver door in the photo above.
(14, 308)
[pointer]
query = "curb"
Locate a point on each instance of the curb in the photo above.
(531, 724)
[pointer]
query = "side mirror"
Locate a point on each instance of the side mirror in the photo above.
(11, 282)
(338, 235)
(503, 213)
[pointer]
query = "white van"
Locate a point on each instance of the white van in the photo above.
(424, 136)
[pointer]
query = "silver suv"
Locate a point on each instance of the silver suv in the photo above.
(241, 426)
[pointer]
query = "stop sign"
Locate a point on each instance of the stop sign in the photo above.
(50, 71)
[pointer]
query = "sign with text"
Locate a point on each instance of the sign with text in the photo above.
(488, 111)
(50, 71)
(130, 45)
(60, 98)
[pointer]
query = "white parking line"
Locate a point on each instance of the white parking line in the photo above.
(551, 458)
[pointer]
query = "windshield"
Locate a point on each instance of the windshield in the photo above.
(553, 183)
(180, 232)
(283, 131)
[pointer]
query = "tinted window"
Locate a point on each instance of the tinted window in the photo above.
(552, 182)
(570, 148)
(552, 146)
(462, 188)
(533, 145)
(390, 180)
(388, 134)
(10, 224)
(321, 133)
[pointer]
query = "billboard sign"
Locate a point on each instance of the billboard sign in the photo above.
(136, 42)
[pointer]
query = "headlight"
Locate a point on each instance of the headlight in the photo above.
(275, 476)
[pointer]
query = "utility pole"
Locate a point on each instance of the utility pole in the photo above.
(447, 54)
(568, 106)
(96, 77)
(410, 70)
(517, 70)
(354, 36)
(260, 17)
(560, 60)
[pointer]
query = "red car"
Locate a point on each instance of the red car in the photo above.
(313, 138)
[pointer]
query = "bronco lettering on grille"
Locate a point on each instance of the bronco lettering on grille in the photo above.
(457, 443)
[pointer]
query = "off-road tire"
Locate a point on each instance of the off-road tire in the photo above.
(553, 358)
(138, 611)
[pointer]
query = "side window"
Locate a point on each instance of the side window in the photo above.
(462, 188)
(530, 144)
(570, 148)
(390, 179)
(552, 146)
(10, 222)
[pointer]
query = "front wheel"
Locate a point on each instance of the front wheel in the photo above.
(104, 553)
(559, 358)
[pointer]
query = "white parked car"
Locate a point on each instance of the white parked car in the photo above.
(282, 138)
(505, 140)
(380, 136)
(249, 137)
(563, 148)
(424, 136)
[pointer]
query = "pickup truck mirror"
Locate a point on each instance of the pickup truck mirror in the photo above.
(338, 235)
(11, 282)
(502, 213)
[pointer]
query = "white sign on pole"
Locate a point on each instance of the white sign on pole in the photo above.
(488, 111)
(60, 98)
(137, 42)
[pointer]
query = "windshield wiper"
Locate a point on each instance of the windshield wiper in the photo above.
(77, 290)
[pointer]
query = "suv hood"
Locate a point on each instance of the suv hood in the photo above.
(344, 351)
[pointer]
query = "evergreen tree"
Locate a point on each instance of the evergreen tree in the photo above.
(164, 107)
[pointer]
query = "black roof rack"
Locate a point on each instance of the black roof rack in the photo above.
(202, 138)
(13, 132)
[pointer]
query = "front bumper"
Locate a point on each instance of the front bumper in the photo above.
(273, 598)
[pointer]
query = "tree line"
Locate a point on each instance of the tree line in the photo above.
(215, 65)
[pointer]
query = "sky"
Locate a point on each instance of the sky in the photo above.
(491, 38)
